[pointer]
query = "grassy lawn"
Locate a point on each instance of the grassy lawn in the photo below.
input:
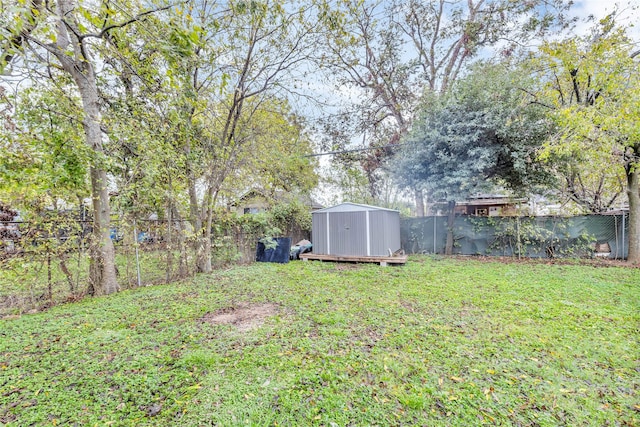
(436, 342)
(28, 283)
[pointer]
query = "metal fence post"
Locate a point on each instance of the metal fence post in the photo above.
(615, 231)
(623, 235)
(135, 245)
(434, 234)
(518, 243)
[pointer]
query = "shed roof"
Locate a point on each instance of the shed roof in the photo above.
(353, 207)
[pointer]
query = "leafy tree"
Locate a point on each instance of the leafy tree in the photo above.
(44, 163)
(44, 152)
(263, 46)
(65, 37)
(593, 87)
(485, 134)
(44, 167)
(393, 52)
(274, 158)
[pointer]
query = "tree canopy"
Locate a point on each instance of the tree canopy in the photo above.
(484, 135)
(391, 53)
(164, 105)
(592, 88)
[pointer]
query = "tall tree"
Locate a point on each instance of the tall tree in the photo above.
(485, 134)
(593, 87)
(264, 47)
(190, 115)
(393, 52)
(64, 36)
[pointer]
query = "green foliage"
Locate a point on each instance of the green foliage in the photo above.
(272, 153)
(191, 97)
(484, 135)
(439, 342)
(293, 215)
(392, 52)
(44, 154)
(235, 236)
(590, 84)
(593, 84)
(531, 236)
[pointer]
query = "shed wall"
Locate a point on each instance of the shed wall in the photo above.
(393, 230)
(384, 232)
(345, 233)
(319, 233)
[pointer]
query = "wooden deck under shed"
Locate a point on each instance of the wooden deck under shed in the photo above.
(382, 260)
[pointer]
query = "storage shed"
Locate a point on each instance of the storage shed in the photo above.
(351, 229)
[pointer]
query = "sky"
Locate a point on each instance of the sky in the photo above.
(629, 12)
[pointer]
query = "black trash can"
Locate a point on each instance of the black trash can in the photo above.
(279, 253)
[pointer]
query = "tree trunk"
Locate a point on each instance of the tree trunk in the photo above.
(203, 250)
(62, 261)
(450, 221)
(183, 267)
(633, 192)
(419, 196)
(102, 267)
(169, 243)
(205, 265)
(201, 237)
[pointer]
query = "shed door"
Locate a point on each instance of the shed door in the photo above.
(348, 233)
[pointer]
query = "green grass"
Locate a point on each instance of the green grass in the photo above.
(436, 342)
(25, 284)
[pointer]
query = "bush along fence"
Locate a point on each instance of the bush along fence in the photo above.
(536, 237)
(45, 261)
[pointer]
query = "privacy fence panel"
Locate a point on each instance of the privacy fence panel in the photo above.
(423, 235)
(578, 236)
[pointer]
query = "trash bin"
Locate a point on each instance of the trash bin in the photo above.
(277, 250)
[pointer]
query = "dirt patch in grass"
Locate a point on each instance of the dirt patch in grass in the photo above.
(410, 306)
(243, 316)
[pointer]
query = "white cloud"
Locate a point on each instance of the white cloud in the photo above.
(628, 13)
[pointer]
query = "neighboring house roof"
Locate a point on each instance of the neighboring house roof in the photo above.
(255, 194)
(248, 195)
(315, 206)
(354, 207)
(492, 201)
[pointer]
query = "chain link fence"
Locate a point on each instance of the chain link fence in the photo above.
(536, 237)
(46, 262)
